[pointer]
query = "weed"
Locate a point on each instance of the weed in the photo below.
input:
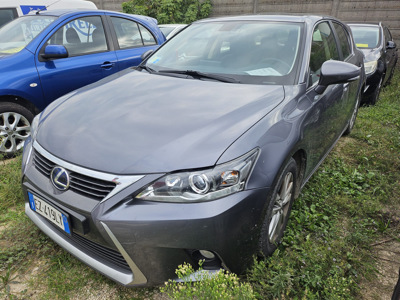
(220, 285)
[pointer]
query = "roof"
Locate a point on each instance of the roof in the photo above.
(280, 18)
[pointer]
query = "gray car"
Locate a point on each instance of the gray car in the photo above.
(198, 153)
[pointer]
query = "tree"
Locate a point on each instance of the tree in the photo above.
(170, 11)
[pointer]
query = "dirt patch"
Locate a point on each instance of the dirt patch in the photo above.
(387, 253)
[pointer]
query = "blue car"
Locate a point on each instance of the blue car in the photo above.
(48, 54)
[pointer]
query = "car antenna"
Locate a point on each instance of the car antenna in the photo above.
(39, 10)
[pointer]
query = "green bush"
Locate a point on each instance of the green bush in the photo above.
(220, 285)
(169, 11)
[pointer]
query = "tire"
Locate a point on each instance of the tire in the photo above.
(279, 207)
(353, 116)
(375, 95)
(391, 74)
(15, 127)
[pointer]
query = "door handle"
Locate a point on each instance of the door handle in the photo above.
(107, 65)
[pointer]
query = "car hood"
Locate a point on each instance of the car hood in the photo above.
(142, 123)
(371, 54)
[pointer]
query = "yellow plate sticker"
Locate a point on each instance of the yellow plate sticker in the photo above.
(13, 50)
(362, 45)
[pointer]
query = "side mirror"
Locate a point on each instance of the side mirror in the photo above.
(54, 51)
(390, 45)
(146, 54)
(335, 72)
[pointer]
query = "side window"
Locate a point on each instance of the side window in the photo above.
(148, 38)
(388, 36)
(344, 40)
(131, 34)
(323, 48)
(81, 36)
(6, 15)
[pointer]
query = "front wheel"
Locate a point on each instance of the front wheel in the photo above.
(375, 95)
(279, 208)
(15, 127)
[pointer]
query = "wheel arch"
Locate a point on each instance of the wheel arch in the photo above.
(20, 101)
(300, 158)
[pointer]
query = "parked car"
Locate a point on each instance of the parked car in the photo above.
(169, 30)
(379, 48)
(46, 55)
(198, 153)
(12, 9)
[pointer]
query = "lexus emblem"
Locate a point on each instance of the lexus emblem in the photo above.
(59, 178)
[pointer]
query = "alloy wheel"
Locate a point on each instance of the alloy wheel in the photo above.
(14, 130)
(281, 208)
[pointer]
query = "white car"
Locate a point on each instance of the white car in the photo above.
(11, 9)
(169, 30)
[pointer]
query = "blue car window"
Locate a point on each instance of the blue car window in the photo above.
(148, 38)
(128, 33)
(81, 36)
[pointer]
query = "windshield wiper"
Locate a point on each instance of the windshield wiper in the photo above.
(148, 69)
(197, 74)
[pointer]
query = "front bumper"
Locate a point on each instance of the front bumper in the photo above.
(139, 243)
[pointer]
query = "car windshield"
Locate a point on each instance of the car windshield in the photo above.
(15, 35)
(365, 36)
(251, 52)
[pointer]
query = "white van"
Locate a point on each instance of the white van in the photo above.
(11, 9)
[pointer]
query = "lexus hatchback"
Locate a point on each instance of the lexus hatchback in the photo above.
(48, 54)
(198, 153)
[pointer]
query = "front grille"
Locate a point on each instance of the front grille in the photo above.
(107, 254)
(85, 185)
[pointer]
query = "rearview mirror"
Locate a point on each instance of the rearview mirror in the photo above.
(54, 51)
(335, 72)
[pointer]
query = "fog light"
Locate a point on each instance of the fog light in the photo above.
(210, 260)
(207, 254)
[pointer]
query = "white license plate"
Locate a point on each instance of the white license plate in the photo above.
(49, 212)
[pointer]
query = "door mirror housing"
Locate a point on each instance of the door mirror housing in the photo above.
(54, 52)
(335, 72)
(391, 45)
(145, 55)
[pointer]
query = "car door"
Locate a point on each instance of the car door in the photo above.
(324, 123)
(133, 39)
(89, 57)
(350, 89)
(390, 58)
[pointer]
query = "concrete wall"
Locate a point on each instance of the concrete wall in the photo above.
(387, 11)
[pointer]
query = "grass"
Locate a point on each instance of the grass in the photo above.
(350, 204)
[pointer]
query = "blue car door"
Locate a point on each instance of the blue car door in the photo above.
(89, 57)
(133, 39)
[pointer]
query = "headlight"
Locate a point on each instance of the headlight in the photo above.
(34, 126)
(202, 185)
(370, 66)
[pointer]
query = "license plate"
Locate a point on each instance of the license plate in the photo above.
(48, 211)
